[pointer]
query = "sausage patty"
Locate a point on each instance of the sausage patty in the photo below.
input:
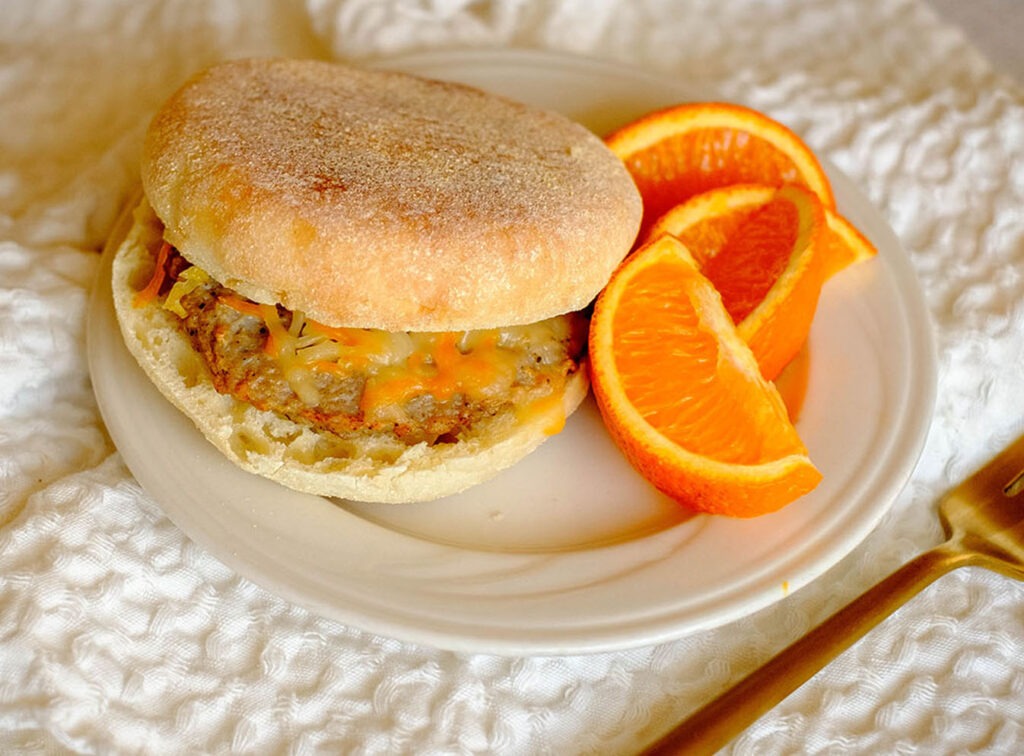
(237, 347)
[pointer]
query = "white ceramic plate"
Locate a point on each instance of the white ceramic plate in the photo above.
(569, 551)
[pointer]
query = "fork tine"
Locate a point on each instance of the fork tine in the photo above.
(1015, 486)
(1004, 473)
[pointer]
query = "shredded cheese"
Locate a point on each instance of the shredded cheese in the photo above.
(188, 281)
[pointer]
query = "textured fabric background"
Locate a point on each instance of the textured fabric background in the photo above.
(118, 635)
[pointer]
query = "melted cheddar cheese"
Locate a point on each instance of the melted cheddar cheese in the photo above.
(479, 365)
(401, 366)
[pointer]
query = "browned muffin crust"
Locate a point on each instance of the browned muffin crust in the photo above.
(377, 199)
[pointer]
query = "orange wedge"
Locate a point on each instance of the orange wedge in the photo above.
(684, 150)
(682, 395)
(763, 249)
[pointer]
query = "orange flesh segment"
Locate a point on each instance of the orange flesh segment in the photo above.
(704, 381)
(684, 165)
(753, 258)
(706, 238)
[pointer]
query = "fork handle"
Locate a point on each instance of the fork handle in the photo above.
(720, 720)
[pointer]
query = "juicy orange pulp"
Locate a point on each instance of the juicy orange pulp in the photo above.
(752, 260)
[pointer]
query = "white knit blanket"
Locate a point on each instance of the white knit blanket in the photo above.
(120, 635)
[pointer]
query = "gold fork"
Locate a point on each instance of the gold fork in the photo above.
(983, 518)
